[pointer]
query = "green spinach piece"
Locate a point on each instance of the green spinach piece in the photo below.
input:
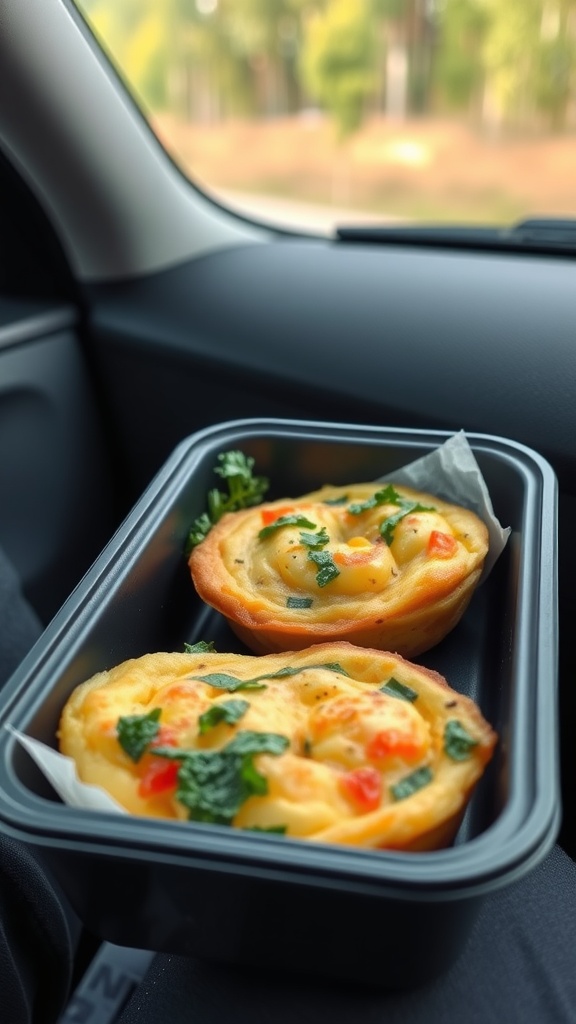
(229, 711)
(222, 681)
(214, 784)
(411, 783)
(299, 602)
(231, 683)
(396, 689)
(458, 743)
(136, 732)
(202, 647)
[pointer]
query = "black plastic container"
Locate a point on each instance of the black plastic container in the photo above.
(385, 918)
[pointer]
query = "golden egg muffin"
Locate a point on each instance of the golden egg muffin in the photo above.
(376, 565)
(333, 744)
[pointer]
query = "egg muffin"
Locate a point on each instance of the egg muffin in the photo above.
(333, 744)
(376, 565)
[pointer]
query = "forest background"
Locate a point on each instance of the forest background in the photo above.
(452, 110)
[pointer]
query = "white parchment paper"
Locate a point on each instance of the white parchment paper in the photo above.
(450, 471)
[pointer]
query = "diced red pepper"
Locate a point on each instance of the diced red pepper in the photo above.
(441, 545)
(270, 515)
(363, 786)
(159, 777)
(392, 744)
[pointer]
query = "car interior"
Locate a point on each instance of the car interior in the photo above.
(135, 311)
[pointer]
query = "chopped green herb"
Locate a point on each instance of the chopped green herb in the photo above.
(222, 681)
(406, 507)
(299, 602)
(244, 491)
(231, 683)
(340, 500)
(229, 711)
(136, 732)
(327, 570)
(198, 531)
(249, 742)
(315, 540)
(387, 496)
(202, 647)
(292, 520)
(411, 783)
(397, 689)
(457, 742)
(283, 673)
(214, 784)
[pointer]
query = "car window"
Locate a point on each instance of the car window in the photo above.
(318, 112)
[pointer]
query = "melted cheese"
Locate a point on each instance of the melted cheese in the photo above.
(342, 731)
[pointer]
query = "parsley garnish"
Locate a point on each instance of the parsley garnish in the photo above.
(229, 711)
(299, 602)
(315, 541)
(202, 647)
(214, 784)
(389, 496)
(136, 732)
(244, 490)
(327, 570)
(457, 742)
(340, 500)
(411, 783)
(397, 689)
(292, 520)
(387, 526)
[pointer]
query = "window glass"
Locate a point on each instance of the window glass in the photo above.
(313, 113)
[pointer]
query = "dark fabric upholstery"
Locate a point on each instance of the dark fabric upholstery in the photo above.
(518, 967)
(19, 624)
(36, 947)
(37, 930)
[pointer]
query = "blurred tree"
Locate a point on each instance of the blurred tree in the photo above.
(529, 55)
(207, 59)
(458, 73)
(337, 62)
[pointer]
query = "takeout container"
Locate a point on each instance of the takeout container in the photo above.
(386, 918)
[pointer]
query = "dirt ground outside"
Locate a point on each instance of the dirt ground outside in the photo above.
(418, 170)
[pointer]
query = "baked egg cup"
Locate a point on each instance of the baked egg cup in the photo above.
(380, 566)
(332, 744)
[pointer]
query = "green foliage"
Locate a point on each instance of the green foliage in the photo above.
(338, 61)
(458, 67)
(206, 60)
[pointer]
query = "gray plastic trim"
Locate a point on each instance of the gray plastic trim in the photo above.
(118, 203)
(30, 326)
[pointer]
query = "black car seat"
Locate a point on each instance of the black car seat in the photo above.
(38, 932)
